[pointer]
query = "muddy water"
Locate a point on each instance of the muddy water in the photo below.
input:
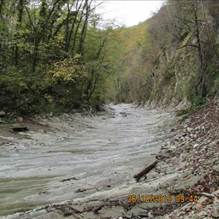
(78, 156)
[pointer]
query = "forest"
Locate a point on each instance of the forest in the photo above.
(177, 58)
(106, 121)
(55, 57)
(52, 56)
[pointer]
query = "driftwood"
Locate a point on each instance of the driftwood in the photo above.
(95, 210)
(145, 171)
(208, 195)
(20, 129)
(69, 179)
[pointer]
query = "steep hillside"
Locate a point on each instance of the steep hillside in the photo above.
(124, 52)
(172, 57)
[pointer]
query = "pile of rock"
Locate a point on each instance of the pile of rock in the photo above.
(194, 152)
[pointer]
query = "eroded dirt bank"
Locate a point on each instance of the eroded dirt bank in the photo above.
(187, 171)
(75, 157)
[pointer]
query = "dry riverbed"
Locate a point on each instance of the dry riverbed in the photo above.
(186, 172)
(76, 157)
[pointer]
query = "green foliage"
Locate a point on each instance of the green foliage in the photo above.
(216, 86)
(198, 101)
(67, 70)
(172, 57)
(56, 59)
(47, 55)
(20, 93)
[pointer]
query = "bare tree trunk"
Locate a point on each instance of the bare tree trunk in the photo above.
(35, 54)
(91, 87)
(84, 28)
(67, 28)
(201, 88)
(1, 7)
(19, 21)
(77, 28)
(78, 7)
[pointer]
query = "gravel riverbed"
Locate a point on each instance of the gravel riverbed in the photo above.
(76, 157)
(183, 184)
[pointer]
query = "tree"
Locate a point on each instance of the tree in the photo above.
(40, 36)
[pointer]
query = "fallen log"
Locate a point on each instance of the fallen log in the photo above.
(145, 171)
(20, 129)
(95, 210)
(69, 179)
(208, 195)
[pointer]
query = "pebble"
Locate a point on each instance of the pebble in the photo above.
(195, 145)
(2, 113)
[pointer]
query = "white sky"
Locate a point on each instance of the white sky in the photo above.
(129, 12)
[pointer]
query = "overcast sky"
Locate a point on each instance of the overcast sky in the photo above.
(129, 12)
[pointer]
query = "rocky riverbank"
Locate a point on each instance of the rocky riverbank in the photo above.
(183, 184)
(194, 152)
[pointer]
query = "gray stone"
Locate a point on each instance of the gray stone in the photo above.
(89, 215)
(135, 211)
(216, 168)
(184, 184)
(19, 119)
(2, 113)
(112, 212)
(215, 210)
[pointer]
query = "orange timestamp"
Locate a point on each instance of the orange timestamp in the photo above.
(179, 198)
